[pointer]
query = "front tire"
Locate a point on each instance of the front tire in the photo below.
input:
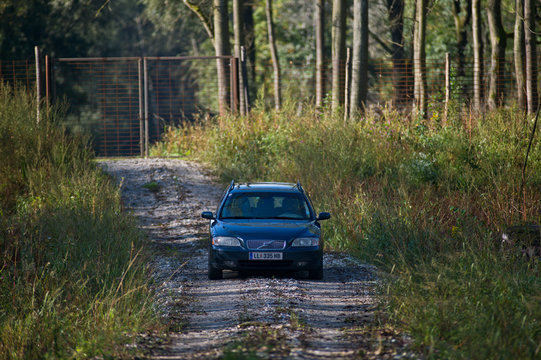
(215, 273)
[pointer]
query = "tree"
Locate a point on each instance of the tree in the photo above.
(238, 34)
(249, 43)
(461, 27)
(221, 45)
(531, 55)
(498, 43)
(338, 52)
(477, 55)
(519, 53)
(218, 32)
(395, 10)
(319, 25)
(419, 58)
(359, 76)
(274, 55)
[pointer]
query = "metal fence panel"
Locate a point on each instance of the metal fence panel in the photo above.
(18, 72)
(181, 89)
(104, 97)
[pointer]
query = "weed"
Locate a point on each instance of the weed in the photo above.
(152, 186)
(259, 341)
(424, 201)
(73, 274)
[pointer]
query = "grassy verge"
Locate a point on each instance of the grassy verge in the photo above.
(72, 276)
(427, 203)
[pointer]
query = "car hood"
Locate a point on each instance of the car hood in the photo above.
(264, 229)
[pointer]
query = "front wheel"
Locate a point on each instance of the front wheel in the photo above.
(214, 273)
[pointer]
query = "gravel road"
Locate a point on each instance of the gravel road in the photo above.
(274, 317)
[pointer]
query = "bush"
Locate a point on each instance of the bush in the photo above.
(424, 202)
(72, 280)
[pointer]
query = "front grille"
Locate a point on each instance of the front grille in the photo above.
(265, 244)
(265, 263)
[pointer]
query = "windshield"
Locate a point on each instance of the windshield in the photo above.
(253, 205)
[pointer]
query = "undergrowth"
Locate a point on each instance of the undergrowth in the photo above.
(426, 202)
(72, 276)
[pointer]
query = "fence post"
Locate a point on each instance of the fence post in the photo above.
(346, 85)
(38, 85)
(53, 80)
(47, 81)
(447, 86)
(141, 106)
(145, 77)
(234, 78)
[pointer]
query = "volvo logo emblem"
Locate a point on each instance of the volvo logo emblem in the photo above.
(265, 244)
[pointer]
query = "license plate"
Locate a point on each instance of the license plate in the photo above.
(266, 256)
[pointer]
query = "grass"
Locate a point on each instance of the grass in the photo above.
(72, 276)
(425, 202)
(259, 341)
(152, 186)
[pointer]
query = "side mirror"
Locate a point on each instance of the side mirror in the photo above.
(323, 216)
(207, 215)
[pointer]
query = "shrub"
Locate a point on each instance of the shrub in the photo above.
(424, 202)
(72, 280)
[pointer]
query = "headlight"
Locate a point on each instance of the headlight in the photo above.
(225, 241)
(311, 241)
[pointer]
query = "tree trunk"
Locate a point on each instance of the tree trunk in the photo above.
(461, 28)
(498, 42)
(531, 55)
(274, 55)
(477, 56)
(462, 23)
(221, 45)
(359, 69)
(338, 52)
(238, 28)
(395, 10)
(419, 58)
(249, 41)
(519, 54)
(319, 25)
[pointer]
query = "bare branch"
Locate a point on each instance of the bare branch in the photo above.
(206, 22)
(381, 42)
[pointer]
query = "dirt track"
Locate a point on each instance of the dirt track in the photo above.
(277, 317)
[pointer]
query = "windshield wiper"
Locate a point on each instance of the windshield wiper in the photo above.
(285, 218)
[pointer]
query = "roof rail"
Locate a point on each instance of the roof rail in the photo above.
(231, 185)
(299, 186)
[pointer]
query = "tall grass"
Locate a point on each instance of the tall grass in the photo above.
(425, 202)
(72, 275)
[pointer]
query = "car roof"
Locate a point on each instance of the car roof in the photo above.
(266, 186)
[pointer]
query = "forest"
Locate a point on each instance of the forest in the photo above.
(399, 50)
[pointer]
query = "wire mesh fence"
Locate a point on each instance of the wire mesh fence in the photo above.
(105, 101)
(18, 72)
(126, 103)
(183, 89)
(391, 83)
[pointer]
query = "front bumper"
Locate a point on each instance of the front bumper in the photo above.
(292, 260)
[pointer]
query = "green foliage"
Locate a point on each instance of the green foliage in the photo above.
(425, 203)
(153, 186)
(72, 279)
(68, 28)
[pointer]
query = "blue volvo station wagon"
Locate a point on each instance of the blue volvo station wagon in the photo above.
(265, 227)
